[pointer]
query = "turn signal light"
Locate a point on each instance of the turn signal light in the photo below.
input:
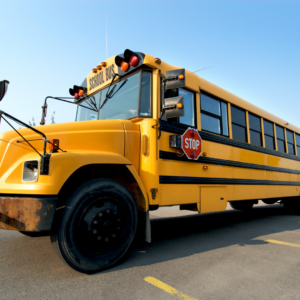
(54, 145)
(179, 105)
(181, 76)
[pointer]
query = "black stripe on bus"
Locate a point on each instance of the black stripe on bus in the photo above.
(175, 128)
(226, 181)
(223, 162)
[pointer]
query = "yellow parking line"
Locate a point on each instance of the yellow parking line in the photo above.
(282, 243)
(165, 287)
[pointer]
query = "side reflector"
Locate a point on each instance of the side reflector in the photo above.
(145, 145)
(54, 146)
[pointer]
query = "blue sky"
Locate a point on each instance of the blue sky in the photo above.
(253, 48)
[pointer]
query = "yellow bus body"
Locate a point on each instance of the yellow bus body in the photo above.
(120, 142)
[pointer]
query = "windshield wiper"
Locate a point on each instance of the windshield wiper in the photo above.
(111, 94)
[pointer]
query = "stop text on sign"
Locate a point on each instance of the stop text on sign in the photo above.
(191, 143)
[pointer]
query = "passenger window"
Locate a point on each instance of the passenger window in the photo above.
(189, 110)
(238, 120)
(280, 138)
(290, 141)
(255, 130)
(298, 143)
(269, 135)
(213, 115)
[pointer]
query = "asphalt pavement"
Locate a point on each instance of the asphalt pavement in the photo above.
(224, 255)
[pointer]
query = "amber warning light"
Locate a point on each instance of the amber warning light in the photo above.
(53, 145)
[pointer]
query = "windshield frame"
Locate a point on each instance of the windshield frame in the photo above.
(138, 116)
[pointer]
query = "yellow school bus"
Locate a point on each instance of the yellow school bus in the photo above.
(146, 134)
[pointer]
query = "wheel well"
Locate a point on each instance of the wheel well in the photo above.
(119, 173)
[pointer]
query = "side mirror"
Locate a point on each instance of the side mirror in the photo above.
(3, 88)
(175, 79)
(174, 107)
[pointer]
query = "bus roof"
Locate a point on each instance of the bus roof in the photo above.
(100, 78)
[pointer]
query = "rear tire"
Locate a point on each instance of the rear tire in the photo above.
(242, 205)
(97, 226)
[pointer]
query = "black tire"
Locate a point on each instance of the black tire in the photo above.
(97, 226)
(242, 205)
(35, 233)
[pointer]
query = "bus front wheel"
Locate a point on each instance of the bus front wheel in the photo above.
(242, 205)
(97, 226)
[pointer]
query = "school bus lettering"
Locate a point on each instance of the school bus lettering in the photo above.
(136, 145)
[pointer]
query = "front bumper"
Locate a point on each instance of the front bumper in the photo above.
(27, 213)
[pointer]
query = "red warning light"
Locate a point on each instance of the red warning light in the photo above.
(133, 60)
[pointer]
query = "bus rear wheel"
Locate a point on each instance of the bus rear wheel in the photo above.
(97, 226)
(242, 205)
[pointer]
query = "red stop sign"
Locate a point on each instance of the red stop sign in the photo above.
(191, 143)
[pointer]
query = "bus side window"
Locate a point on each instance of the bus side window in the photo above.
(213, 115)
(280, 138)
(255, 130)
(238, 120)
(269, 134)
(298, 143)
(290, 141)
(189, 109)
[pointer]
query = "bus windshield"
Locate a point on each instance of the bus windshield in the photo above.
(129, 98)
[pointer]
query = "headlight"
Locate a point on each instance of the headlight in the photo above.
(31, 171)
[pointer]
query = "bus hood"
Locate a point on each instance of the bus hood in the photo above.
(98, 135)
